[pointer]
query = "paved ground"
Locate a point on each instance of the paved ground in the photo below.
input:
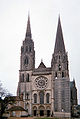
(20, 118)
(34, 118)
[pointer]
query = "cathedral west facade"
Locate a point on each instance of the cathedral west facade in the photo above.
(45, 90)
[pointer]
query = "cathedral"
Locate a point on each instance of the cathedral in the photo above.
(45, 90)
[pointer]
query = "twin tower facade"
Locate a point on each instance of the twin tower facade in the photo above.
(45, 90)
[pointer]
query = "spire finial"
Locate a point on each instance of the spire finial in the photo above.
(59, 44)
(28, 31)
(41, 60)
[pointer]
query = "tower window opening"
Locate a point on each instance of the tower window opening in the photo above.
(26, 61)
(22, 78)
(55, 74)
(26, 48)
(27, 96)
(27, 78)
(59, 56)
(29, 49)
(62, 74)
(59, 67)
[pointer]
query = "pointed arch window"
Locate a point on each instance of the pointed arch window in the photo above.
(59, 67)
(22, 78)
(59, 56)
(41, 97)
(55, 74)
(26, 48)
(35, 98)
(47, 98)
(62, 74)
(26, 61)
(29, 48)
(27, 78)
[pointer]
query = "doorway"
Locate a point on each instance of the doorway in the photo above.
(41, 112)
(35, 112)
(48, 113)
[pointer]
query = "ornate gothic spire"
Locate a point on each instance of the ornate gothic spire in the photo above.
(59, 43)
(28, 31)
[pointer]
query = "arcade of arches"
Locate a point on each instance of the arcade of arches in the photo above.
(41, 111)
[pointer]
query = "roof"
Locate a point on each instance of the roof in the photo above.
(16, 108)
(15, 98)
(41, 65)
(42, 70)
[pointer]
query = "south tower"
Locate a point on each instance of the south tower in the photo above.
(60, 75)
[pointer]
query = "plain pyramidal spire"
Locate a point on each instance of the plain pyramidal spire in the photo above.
(59, 43)
(28, 31)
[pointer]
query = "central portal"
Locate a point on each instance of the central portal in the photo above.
(41, 112)
(48, 113)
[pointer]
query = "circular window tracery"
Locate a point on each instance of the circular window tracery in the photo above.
(41, 82)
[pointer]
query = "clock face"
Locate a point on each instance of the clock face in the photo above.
(41, 82)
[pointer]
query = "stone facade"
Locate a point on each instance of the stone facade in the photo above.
(45, 90)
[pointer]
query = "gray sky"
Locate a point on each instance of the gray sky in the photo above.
(44, 18)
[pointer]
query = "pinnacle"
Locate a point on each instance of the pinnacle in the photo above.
(28, 31)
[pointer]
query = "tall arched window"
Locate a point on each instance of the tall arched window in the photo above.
(56, 74)
(30, 49)
(27, 78)
(62, 74)
(26, 61)
(35, 98)
(41, 97)
(26, 48)
(59, 67)
(47, 98)
(22, 78)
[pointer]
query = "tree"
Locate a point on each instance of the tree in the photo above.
(5, 99)
(3, 92)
